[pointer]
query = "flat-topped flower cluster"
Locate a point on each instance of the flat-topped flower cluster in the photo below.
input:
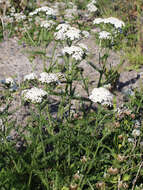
(92, 6)
(35, 95)
(111, 20)
(101, 95)
(65, 31)
(45, 9)
(76, 52)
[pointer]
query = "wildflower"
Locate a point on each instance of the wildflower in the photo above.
(101, 95)
(136, 132)
(73, 187)
(46, 9)
(76, 52)
(130, 140)
(35, 95)
(19, 17)
(98, 20)
(65, 31)
(48, 78)
(113, 171)
(104, 35)
(31, 76)
(77, 176)
(137, 124)
(91, 6)
(73, 33)
(85, 34)
(9, 81)
(47, 24)
(100, 185)
(111, 20)
(120, 158)
(115, 21)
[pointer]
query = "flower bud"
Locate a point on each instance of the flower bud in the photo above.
(113, 171)
(73, 187)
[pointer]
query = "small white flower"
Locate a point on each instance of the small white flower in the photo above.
(9, 81)
(61, 31)
(104, 35)
(111, 20)
(130, 140)
(19, 16)
(98, 20)
(47, 10)
(65, 31)
(76, 52)
(136, 132)
(47, 24)
(35, 95)
(31, 76)
(115, 21)
(64, 27)
(91, 7)
(85, 34)
(73, 33)
(48, 78)
(107, 86)
(101, 95)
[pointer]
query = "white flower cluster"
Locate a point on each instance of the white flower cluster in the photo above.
(35, 95)
(85, 33)
(48, 78)
(111, 20)
(19, 17)
(136, 132)
(104, 35)
(31, 76)
(9, 81)
(48, 11)
(65, 31)
(76, 52)
(91, 6)
(101, 95)
(47, 24)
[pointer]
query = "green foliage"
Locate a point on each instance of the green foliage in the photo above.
(86, 147)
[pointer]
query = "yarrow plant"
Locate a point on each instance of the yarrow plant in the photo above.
(101, 95)
(111, 20)
(34, 95)
(76, 52)
(48, 24)
(66, 32)
(45, 9)
(92, 6)
(48, 78)
(75, 135)
(104, 35)
(9, 81)
(31, 76)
